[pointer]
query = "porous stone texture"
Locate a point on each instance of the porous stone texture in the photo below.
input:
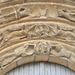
(36, 30)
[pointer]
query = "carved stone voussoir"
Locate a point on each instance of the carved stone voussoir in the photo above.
(37, 11)
(37, 49)
(36, 30)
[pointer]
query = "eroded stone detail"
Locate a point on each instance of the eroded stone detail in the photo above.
(61, 32)
(42, 31)
(38, 47)
(36, 12)
(67, 14)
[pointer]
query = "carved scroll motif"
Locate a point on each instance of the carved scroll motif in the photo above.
(37, 47)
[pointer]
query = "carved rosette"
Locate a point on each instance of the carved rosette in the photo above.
(33, 31)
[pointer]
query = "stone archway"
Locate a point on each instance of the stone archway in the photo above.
(37, 31)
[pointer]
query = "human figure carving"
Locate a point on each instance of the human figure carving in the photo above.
(29, 49)
(42, 30)
(42, 48)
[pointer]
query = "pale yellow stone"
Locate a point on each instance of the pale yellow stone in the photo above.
(25, 60)
(41, 57)
(71, 65)
(31, 32)
(58, 60)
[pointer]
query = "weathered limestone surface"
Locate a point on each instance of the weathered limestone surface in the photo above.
(36, 30)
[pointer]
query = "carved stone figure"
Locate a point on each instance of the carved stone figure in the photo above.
(59, 51)
(67, 14)
(42, 30)
(8, 58)
(36, 31)
(29, 49)
(64, 33)
(42, 47)
(36, 47)
(13, 33)
(34, 12)
(6, 17)
(14, 14)
(24, 11)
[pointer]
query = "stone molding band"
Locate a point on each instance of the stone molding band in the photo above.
(37, 50)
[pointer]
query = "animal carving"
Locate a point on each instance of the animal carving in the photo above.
(15, 14)
(35, 12)
(67, 14)
(59, 51)
(15, 33)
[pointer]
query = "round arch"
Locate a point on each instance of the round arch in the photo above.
(32, 31)
(37, 50)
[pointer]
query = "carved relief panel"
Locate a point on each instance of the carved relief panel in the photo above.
(57, 31)
(37, 31)
(37, 12)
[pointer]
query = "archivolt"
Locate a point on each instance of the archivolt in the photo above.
(37, 31)
(37, 41)
(37, 50)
